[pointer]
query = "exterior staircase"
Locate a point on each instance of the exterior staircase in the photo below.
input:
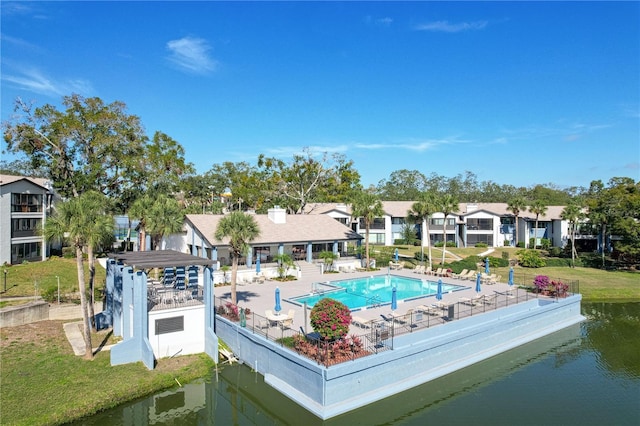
(309, 269)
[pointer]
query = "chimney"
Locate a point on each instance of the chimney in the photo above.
(277, 215)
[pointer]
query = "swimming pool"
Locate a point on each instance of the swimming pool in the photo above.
(361, 293)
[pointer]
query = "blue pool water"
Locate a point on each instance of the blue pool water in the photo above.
(360, 293)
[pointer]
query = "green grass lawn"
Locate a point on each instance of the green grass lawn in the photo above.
(34, 278)
(43, 382)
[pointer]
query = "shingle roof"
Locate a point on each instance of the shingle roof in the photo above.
(7, 179)
(296, 229)
(400, 209)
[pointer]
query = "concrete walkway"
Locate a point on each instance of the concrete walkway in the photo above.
(74, 335)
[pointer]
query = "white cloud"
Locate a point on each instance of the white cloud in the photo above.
(191, 55)
(33, 80)
(446, 27)
(412, 145)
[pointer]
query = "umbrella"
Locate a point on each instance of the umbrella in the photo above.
(478, 287)
(486, 266)
(394, 299)
(278, 308)
(258, 264)
(439, 293)
(511, 276)
(396, 255)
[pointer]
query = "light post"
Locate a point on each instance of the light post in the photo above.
(58, 278)
(5, 280)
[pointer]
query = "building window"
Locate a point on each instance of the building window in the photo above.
(375, 238)
(343, 220)
(439, 222)
(25, 251)
(169, 325)
(378, 223)
(473, 239)
(26, 203)
(398, 220)
(480, 224)
(24, 227)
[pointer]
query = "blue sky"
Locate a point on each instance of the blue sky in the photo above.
(518, 93)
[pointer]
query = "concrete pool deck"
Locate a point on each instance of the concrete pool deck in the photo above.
(261, 297)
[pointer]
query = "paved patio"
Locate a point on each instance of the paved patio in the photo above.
(261, 297)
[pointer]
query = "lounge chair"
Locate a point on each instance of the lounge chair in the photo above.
(360, 322)
(419, 269)
(471, 275)
(428, 270)
(438, 272)
(430, 310)
(472, 301)
(442, 305)
(489, 299)
(461, 274)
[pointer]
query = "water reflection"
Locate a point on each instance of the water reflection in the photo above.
(585, 374)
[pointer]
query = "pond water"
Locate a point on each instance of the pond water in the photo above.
(588, 374)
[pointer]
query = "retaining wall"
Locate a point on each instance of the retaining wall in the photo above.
(417, 357)
(24, 314)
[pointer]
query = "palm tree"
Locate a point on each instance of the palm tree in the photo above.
(140, 210)
(75, 221)
(447, 204)
(101, 233)
(328, 257)
(572, 213)
(538, 208)
(367, 206)
(517, 205)
(421, 211)
(240, 228)
(284, 261)
(164, 217)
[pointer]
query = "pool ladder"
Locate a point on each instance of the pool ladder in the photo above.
(374, 301)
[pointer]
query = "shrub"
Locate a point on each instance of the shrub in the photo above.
(330, 318)
(545, 243)
(505, 255)
(555, 251)
(481, 245)
(530, 258)
(507, 243)
(557, 261)
(498, 262)
(520, 244)
(68, 252)
(469, 262)
(541, 282)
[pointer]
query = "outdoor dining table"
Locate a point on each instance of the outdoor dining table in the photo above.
(278, 318)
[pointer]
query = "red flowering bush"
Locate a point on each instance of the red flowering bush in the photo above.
(331, 319)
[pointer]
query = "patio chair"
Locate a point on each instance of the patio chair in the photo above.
(289, 321)
(438, 272)
(419, 269)
(378, 336)
(428, 270)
